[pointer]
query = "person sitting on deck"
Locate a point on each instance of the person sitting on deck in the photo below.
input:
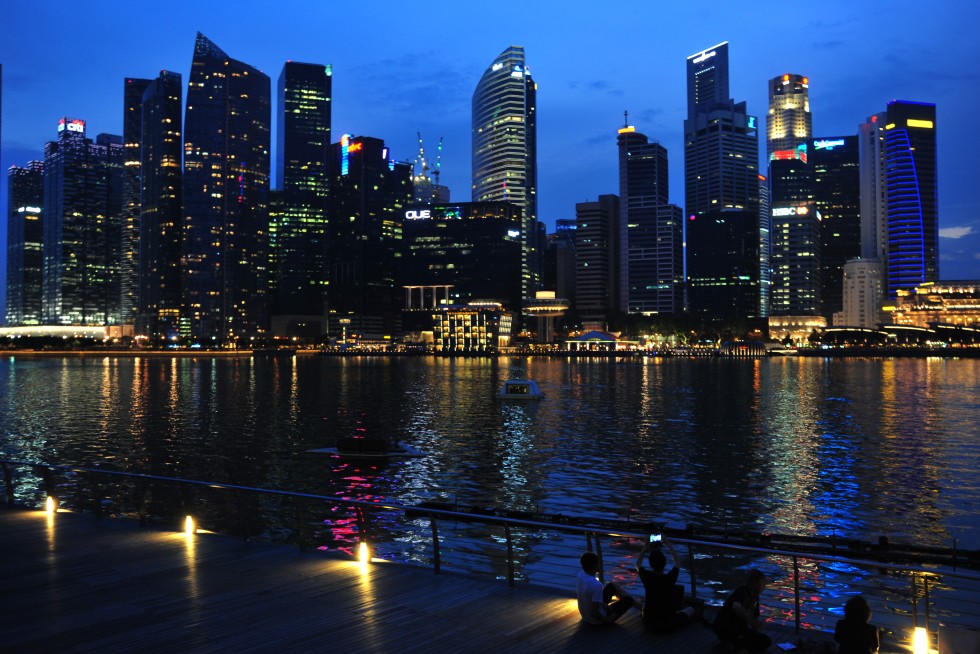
(737, 623)
(663, 611)
(599, 604)
(854, 634)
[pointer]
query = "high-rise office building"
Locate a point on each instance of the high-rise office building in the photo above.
(911, 195)
(835, 176)
(158, 307)
(595, 266)
(369, 191)
(133, 89)
(794, 235)
(558, 271)
(82, 227)
(299, 303)
(225, 192)
(862, 289)
(871, 156)
(765, 248)
(649, 252)
(789, 123)
(505, 147)
(721, 182)
(25, 206)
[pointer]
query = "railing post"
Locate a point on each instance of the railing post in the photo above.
(796, 591)
(510, 557)
(300, 525)
(436, 564)
(8, 482)
(139, 495)
(925, 599)
(598, 552)
(915, 604)
(690, 565)
(588, 541)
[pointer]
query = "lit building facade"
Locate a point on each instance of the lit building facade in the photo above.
(133, 89)
(721, 182)
(871, 163)
(474, 328)
(25, 208)
(369, 192)
(474, 247)
(158, 302)
(863, 286)
(300, 276)
(558, 271)
(794, 235)
(82, 227)
(911, 195)
(596, 278)
(225, 197)
(505, 147)
(946, 303)
(789, 122)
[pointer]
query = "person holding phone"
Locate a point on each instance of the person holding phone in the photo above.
(664, 611)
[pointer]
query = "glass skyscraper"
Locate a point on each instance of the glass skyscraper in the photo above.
(505, 147)
(225, 191)
(159, 299)
(789, 122)
(133, 89)
(303, 136)
(911, 195)
(25, 201)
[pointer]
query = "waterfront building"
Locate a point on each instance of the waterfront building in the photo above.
(938, 303)
(225, 196)
(25, 207)
(473, 247)
(596, 278)
(765, 248)
(863, 283)
(721, 182)
(836, 183)
(133, 89)
(82, 227)
(558, 269)
(911, 195)
(505, 147)
(300, 275)
(369, 192)
(871, 165)
(478, 327)
(158, 306)
(789, 123)
(794, 235)
(795, 330)
(545, 308)
(649, 250)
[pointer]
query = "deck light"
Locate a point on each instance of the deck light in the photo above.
(920, 641)
(190, 527)
(49, 505)
(364, 553)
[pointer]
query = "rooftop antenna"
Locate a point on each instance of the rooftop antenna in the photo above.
(626, 119)
(438, 168)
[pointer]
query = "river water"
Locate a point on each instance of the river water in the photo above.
(859, 448)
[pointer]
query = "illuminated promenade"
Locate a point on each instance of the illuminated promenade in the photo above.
(74, 583)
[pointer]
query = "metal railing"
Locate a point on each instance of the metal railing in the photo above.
(903, 590)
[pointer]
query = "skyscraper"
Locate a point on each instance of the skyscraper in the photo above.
(795, 235)
(25, 202)
(721, 149)
(82, 227)
(911, 195)
(650, 248)
(225, 191)
(159, 280)
(789, 123)
(505, 147)
(871, 156)
(133, 89)
(303, 135)
(595, 269)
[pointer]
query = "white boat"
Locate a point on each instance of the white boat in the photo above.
(520, 389)
(371, 448)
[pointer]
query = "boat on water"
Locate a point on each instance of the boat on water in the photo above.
(520, 389)
(370, 448)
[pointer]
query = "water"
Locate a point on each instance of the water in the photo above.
(859, 448)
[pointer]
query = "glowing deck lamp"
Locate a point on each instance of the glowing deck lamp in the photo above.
(190, 527)
(364, 553)
(49, 505)
(920, 641)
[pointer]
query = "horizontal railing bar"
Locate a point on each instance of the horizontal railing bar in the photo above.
(424, 512)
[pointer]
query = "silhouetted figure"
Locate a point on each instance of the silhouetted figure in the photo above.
(854, 634)
(599, 604)
(737, 623)
(663, 611)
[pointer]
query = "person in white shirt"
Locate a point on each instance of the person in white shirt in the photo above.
(599, 604)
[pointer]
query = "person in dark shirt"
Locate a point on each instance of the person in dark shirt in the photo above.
(664, 611)
(854, 634)
(737, 623)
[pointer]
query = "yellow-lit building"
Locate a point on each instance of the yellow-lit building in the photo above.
(473, 328)
(949, 303)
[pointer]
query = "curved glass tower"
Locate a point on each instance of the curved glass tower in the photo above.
(504, 147)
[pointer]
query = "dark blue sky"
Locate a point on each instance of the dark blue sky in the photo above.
(401, 68)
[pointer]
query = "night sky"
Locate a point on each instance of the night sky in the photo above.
(406, 67)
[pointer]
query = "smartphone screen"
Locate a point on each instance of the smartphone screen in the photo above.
(655, 538)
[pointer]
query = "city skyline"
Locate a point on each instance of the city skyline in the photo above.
(390, 89)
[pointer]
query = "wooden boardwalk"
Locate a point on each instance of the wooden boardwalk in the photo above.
(71, 583)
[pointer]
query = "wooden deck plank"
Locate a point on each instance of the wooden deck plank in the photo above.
(86, 585)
